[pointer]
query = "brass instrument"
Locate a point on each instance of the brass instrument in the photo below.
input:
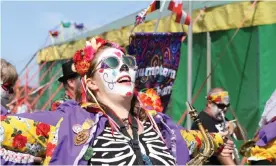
(208, 151)
(246, 148)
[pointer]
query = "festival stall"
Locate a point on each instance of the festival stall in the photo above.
(233, 41)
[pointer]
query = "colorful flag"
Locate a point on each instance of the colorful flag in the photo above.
(140, 18)
(155, 5)
(175, 6)
(54, 33)
(183, 18)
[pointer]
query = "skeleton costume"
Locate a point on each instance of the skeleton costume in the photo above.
(85, 134)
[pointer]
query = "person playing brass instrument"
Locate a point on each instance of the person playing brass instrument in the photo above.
(213, 120)
(262, 149)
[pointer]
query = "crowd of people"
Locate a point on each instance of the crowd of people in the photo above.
(102, 120)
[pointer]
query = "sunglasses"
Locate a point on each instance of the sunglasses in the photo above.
(7, 88)
(222, 106)
(113, 62)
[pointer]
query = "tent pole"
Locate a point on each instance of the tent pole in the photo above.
(208, 62)
(189, 65)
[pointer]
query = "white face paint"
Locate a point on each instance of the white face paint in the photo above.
(217, 112)
(116, 81)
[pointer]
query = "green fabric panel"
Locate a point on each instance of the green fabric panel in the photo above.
(237, 72)
(55, 84)
(267, 60)
(179, 94)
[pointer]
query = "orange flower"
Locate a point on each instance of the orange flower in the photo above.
(151, 99)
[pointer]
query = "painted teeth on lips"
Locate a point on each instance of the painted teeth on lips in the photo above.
(124, 79)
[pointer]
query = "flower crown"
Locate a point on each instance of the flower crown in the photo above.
(219, 97)
(82, 58)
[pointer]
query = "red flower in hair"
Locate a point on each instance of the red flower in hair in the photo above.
(82, 59)
(100, 41)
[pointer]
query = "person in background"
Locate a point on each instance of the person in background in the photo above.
(9, 77)
(71, 83)
(213, 120)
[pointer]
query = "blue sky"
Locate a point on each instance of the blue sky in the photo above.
(25, 25)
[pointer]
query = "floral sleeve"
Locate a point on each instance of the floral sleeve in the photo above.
(267, 152)
(194, 140)
(25, 135)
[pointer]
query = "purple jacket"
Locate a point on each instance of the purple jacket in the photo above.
(267, 134)
(66, 153)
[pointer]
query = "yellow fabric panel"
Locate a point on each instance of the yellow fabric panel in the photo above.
(25, 135)
(64, 51)
(195, 142)
(217, 18)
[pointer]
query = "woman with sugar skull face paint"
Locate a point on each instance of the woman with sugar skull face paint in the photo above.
(117, 125)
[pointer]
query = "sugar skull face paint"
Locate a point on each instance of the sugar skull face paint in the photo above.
(117, 72)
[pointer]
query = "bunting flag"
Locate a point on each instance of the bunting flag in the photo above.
(175, 6)
(140, 18)
(183, 18)
(54, 33)
(155, 5)
(66, 24)
(79, 26)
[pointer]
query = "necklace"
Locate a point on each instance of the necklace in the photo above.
(126, 123)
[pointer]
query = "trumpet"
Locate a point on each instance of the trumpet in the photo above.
(201, 157)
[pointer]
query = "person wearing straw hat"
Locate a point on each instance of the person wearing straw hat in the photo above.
(70, 81)
(118, 125)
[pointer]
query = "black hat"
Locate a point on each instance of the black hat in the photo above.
(67, 72)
